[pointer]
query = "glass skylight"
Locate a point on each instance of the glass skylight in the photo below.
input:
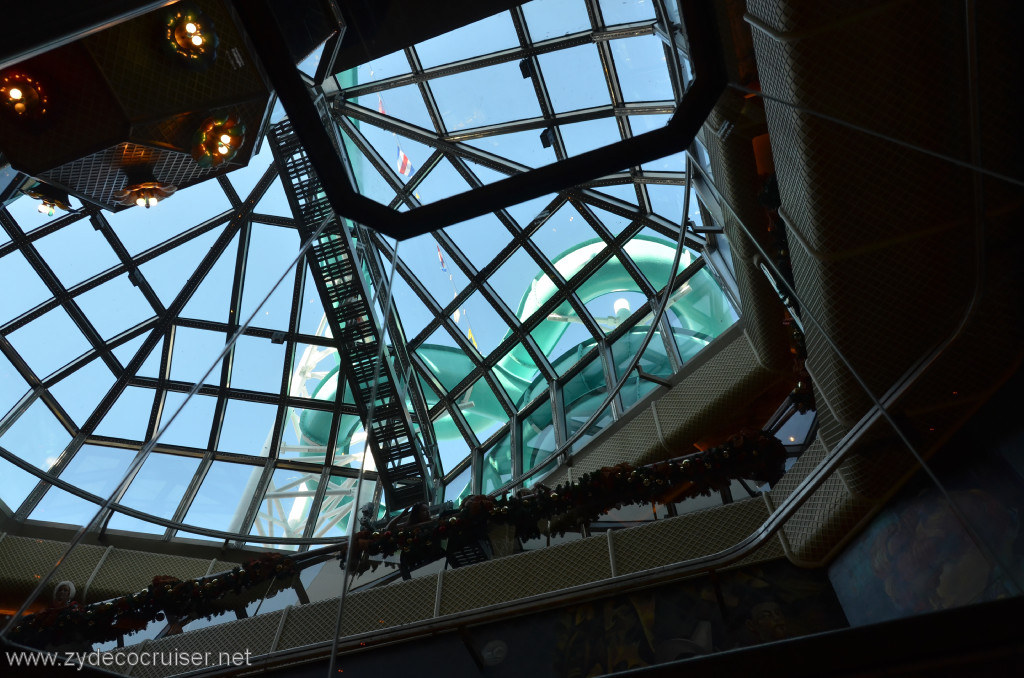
(117, 316)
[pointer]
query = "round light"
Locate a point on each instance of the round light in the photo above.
(225, 139)
(15, 93)
(197, 40)
(190, 28)
(141, 202)
(222, 149)
(42, 209)
(152, 200)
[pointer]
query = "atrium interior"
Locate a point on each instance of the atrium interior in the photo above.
(327, 327)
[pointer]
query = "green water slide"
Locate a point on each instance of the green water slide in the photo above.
(698, 311)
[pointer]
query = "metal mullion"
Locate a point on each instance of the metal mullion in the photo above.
(101, 224)
(607, 358)
(259, 332)
(246, 524)
(190, 494)
(56, 288)
(664, 30)
(531, 49)
(428, 96)
(234, 322)
(46, 229)
(273, 220)
(317, 505)
(370, 153)
(214, 390)
(547, 109)
(229, 191)
(182, 238)
(678, 280)
(163, 328)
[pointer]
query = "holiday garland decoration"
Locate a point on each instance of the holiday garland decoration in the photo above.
(165, 597)
(755, 455)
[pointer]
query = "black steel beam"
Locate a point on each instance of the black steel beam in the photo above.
(676, 136)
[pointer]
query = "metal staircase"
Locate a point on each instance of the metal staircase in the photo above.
(339, 276)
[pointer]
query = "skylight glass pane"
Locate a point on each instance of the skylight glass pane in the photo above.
(245, 179)
(271, 252)
(12, 386)
(562, 234)
(311, 315)
(492, 34)
(222, 499)
(49, 342)
(481, 409)
(351, 450)
(286, 504)
(314, 373)
(538, 437)
(402, 103)
(247, 427)
(274, 201)
(36, 436)
(442, 182)
(192, 422)
(387, 146)
(583, 395)
(15, 273)
(642, 69)
(336, 509)
(563, 341)
(212, 299)
(257, 365)
(481, 323)
(168, 273)
(555, 18)
(76, 252)
(451, 445)
(460, 488)
(574, 78)
(194, 352)
(94, 469)
(485, 96)
(448, 363)
(480, 238)
(581, 137)
(368, 179)
(157, 489)
(654, 361)
(514, 282)
(386, 66)
(524, 147)
(80, 392)
(305, 434)
(125, 353)
(497, 468)
(114, 306)
(15, 484)
(626, 11)
(129, 416)
(698, 312)
(184, 209)
(413, 313)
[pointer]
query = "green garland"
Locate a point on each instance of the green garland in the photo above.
(166, 596)
(755, 455)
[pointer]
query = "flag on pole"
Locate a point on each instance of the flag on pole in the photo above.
(469, 335)
(456, 316)
(440, 258)
(404, 164)
(380, 105)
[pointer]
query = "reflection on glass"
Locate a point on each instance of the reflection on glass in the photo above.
(497, 468)
(156, 489)
(94, 469)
